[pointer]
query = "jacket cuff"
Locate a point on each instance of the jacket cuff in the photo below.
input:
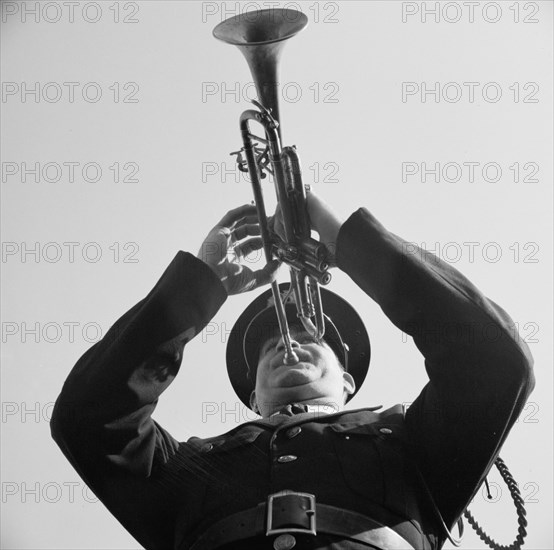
(350, 245)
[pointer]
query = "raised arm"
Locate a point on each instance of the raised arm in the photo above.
(102, 420)
(480, 371)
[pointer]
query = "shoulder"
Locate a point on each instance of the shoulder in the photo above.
(243, 434)
(389, 422)
(372, 415)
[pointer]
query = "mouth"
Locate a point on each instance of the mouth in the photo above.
(279, 360)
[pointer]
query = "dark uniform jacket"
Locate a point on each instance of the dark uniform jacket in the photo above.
(165, 492)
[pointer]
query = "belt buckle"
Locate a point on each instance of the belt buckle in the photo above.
(308, 510)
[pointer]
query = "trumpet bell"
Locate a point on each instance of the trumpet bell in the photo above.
(261, 27)
(260, 36)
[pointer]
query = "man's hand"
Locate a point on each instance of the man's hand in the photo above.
(322, 219)
(235, 236)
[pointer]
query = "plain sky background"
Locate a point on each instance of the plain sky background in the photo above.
(135, 174)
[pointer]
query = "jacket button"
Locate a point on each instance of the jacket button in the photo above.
(385, 431)
(287, 458)
(207, 447)
(293, 432)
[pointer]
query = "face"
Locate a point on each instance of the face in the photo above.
(317, 378)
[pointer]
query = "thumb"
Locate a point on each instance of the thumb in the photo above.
(268, 273)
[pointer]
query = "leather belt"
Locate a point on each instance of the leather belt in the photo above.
(298, 513)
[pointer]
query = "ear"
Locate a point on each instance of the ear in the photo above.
(253, 402)
(348, 382)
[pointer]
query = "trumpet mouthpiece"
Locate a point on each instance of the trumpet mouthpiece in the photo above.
(291, 358)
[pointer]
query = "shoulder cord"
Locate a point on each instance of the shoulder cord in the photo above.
(520, 508)
(518, 501)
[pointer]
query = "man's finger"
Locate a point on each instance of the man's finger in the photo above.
(245, 248)
(276, 223)
(268, 274)
(236, 214)
(252, 218)
(278, 212)
(247, 230)
(279, 228)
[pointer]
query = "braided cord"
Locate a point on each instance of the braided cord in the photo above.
(520, 508)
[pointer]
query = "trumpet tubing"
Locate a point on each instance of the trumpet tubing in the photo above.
(260, 36)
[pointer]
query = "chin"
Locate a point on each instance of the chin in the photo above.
(297, 377)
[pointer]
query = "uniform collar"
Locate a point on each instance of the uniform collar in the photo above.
(315, 409)
(318, 412)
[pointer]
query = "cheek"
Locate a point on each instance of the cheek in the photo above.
(333, 370)
(327, 356)
(261, 375)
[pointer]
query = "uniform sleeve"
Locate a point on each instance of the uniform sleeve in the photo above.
(480, 371)
(102, 418)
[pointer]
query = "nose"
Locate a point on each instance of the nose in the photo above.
(281, 344)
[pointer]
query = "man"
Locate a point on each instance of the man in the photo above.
(325, 477)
